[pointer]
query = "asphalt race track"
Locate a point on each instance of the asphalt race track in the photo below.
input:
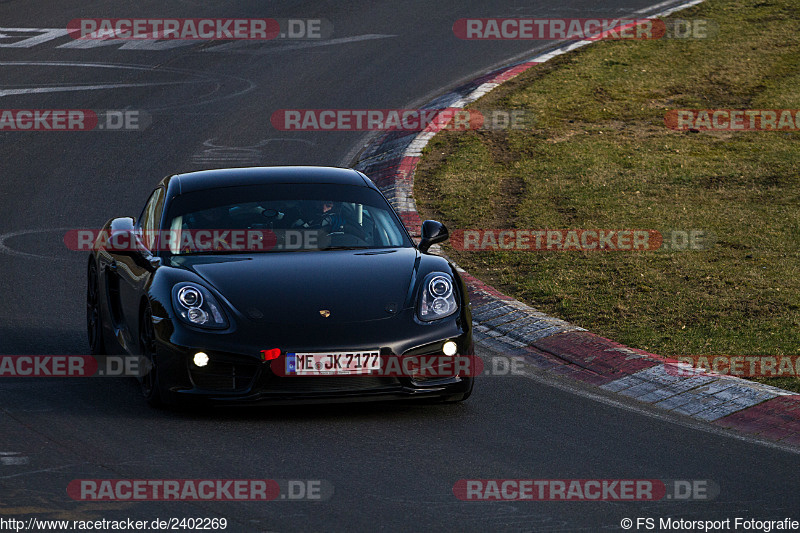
(391, 467)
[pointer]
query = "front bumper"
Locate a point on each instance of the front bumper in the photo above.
(236, 375)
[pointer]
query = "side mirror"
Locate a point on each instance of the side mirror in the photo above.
(123, 239)
(432, 232)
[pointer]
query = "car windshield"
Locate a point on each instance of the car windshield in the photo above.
(280, 217)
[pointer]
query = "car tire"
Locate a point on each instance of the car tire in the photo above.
(94, 313)
(151, 387)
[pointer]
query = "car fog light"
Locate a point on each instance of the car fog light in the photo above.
(450, 348)
(200, 359)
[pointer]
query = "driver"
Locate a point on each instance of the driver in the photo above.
(331, 217)
(326, 216)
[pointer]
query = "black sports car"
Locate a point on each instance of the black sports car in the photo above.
(278, 284)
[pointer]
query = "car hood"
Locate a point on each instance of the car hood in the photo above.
(298, 287)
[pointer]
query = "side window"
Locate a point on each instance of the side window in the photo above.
(151, 217)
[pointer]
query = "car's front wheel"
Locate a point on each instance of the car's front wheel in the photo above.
(94, 321)
(147, 342)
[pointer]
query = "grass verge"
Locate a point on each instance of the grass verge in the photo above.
(600, 156)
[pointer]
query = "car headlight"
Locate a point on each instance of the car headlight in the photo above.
(438, 299)
(197, 306)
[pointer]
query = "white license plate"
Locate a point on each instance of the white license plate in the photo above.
(332, 364)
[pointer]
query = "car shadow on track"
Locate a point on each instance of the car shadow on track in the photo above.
(121, 397)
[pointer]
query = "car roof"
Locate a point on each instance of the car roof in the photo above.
(232, 177)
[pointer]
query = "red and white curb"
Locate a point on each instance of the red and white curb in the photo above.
(509, 326)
